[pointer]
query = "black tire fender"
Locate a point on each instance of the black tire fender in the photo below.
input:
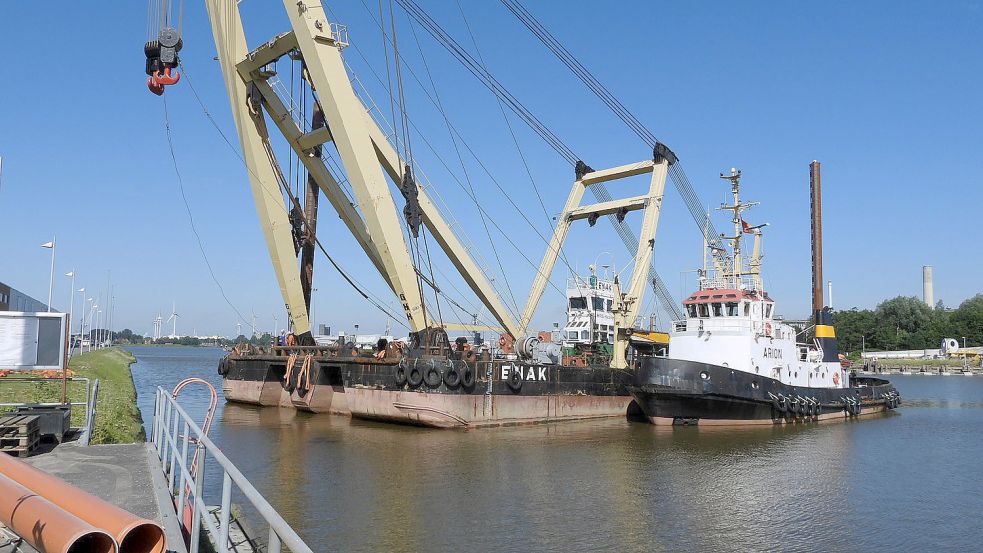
(400, 374)
(467, 376)
(514, 381)
(414, 376)
(452, 377)
(432, 376)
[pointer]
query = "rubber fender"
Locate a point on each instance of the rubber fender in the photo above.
(414, 376)
(400, 375)
(452, 377)
(514, 381)
(467, 376)
(432, 376)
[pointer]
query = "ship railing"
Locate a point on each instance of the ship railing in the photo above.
(175, 434)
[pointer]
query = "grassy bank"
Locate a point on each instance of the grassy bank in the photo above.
(117, 416)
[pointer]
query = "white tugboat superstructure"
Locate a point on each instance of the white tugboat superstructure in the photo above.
(733, 361)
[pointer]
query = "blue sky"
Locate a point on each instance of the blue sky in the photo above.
(885, 94)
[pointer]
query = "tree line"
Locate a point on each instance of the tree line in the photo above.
(127, 336)
(905, 322)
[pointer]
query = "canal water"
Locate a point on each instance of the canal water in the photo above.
(906, 481)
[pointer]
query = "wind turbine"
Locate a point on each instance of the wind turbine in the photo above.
(173, 318)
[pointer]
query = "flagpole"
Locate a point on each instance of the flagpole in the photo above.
(71, 313)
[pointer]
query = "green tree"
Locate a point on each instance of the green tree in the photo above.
(967, 321)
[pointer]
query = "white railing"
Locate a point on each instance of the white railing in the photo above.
(174, 433)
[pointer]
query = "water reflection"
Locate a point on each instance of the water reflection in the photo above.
(886, 482)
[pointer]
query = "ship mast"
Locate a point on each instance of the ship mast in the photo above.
(734, 276)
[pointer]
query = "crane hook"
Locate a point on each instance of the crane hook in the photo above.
(166, 78)
(154, 86)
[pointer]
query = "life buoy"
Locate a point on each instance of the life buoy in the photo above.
(452, 378)
(768, 329)
(469, 355)
(432, 376)
(836, 377)
(467, 377)
(514, 381)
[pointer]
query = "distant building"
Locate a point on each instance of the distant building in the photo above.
(15, 300)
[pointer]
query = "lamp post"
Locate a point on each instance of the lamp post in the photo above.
(964, 342)
(99, 329)
(81, 316)
(71, 312)
(51, 276)
(92, 312)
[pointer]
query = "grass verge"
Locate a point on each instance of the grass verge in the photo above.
(118, 418)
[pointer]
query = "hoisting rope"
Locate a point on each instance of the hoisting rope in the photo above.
(378, 304)
(678, 177)
(486, 78)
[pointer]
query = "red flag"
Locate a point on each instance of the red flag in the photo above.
(747, 227)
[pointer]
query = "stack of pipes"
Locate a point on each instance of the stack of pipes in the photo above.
(56, 517)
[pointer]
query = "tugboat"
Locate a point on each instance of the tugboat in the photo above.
(731, 361)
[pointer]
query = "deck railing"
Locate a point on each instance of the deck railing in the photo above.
(177, 438)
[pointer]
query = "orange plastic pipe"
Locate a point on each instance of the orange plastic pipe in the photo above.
(134, 534)
(45, 526)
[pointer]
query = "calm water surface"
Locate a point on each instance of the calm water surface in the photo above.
(907, 481)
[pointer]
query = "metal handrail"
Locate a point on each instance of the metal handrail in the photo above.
(168, 418)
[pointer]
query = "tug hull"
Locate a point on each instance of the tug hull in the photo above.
(671, 391)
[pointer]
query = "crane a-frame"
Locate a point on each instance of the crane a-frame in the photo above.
(368, 158)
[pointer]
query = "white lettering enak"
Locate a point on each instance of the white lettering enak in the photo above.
(525, 372)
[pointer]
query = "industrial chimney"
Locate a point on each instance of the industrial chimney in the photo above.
(928, 291)
(816, 200)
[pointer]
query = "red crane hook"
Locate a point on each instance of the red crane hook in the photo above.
(166, 78)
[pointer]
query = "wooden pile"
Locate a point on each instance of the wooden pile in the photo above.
(19, 434)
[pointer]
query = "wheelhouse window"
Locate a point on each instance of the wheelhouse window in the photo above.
(598, 304)
(578, 303)
(716, 309)
(572, 335)
(731, 308)
(584, 334)
(703, 310)
(768, 311)
(691, 308)
(609, 305)
(747, 309)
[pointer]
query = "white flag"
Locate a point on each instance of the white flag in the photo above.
(70, 274)
(48, 245)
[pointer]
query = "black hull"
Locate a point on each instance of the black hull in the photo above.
(672, 391)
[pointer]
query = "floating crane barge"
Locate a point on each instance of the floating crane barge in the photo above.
(526, 377)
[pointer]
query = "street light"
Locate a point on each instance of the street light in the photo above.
(51, 277)
(71, 311)
(964, 342)
(82, 317)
